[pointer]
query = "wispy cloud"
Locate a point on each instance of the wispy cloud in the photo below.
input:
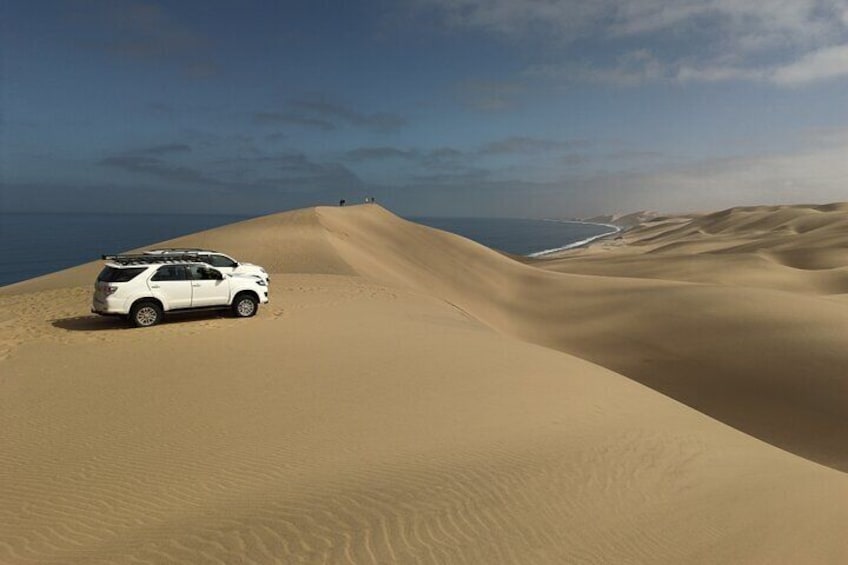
(489, 96)
(379, 154)
(826, 63)
(379, 121)
(142, 31)
(529, 145)
(318, 113)
(442, 161)
(164, 149)
(282, 118)
(773, 41)
(284, 173)
(297, 170)
(641, 67)
(159, 168)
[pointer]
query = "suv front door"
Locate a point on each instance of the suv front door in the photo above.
(171, 283)
(208, 286)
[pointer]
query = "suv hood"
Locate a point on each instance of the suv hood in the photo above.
(244, 275)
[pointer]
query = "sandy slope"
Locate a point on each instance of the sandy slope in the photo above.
(381, 410)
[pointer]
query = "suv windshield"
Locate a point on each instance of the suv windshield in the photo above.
(113, 275)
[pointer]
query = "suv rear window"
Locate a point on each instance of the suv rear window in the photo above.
(113, 275)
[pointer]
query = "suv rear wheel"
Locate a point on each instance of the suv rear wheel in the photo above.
(145, 313)
(245, 305)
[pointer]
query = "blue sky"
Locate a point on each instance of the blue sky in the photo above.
(526, 108)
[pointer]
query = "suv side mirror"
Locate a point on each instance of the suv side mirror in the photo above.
(216, 274)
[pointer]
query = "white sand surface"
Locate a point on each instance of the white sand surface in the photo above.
(409, 396)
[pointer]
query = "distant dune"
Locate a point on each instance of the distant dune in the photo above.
(626, 221)
(412, 396)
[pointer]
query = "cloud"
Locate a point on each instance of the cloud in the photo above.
(395, 166)
(641, 67)
(201, 70)
(274, 118)
(817, 65)
(142, 32)
(459, 179)
(158, 168)
(297, 170)
(528, 145)
(569, 18)
(135, 29)
(446, 158)
(320, 114)
(164, 149)
(715, 73)
(784, 43)
(489, 96)
(635, 155)
(379, 153)
(814, 175)
(382, 122)
(287, 173)
(757, 25)
(642, 179)
(575, 159)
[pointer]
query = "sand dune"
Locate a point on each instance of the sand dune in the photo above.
(770, 363)
(411, 396)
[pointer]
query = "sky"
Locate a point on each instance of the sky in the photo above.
(503, 108)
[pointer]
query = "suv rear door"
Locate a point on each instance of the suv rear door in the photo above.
(207, 288)
(171, 281)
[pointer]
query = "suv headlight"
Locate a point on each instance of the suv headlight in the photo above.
(260, 282)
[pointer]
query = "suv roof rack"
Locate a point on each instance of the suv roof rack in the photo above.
(180, 250)
(140, 259)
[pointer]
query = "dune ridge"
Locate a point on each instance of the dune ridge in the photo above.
(381, 409)
(768, 362)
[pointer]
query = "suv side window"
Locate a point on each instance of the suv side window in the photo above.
(201, 273)
(219, 261)
(170, 273)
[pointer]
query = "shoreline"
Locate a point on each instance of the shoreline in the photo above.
(577, 244)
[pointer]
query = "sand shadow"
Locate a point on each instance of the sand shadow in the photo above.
(90, 324)
(95, 323)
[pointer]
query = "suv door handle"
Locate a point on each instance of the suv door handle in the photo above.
(154, 286)
(195, 284)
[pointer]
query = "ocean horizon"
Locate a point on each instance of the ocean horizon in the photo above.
(35, 244)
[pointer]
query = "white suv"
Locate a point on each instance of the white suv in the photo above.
(144, 287)
(220, 261)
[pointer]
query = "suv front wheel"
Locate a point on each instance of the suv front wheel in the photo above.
(245, 305)
(145, 313)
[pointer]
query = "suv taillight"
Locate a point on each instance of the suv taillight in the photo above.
(109, 289)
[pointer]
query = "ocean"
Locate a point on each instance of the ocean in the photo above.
(519, 236)
(37, 244)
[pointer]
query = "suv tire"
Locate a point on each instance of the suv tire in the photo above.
(245, 305)
(145, 313)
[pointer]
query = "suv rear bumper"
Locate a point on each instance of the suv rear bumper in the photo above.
(101, 313)
(109, 306)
